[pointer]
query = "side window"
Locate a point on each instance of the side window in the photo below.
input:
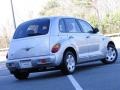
(71, 26)
(62, 26)
(86, 27)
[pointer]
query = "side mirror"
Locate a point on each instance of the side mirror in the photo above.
(96, 30)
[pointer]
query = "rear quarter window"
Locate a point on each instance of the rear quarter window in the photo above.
(32, 28)
(62, 26)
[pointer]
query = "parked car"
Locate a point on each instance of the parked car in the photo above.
(57, 43)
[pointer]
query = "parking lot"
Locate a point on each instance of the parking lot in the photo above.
(39, 34)
(92, 76)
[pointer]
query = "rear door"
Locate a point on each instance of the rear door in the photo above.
(93, 40)
(31, 39)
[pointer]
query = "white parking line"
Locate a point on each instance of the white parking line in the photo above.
(74, 82)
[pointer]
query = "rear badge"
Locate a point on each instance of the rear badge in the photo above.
(27, 49)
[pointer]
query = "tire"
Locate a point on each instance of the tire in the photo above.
(111, 55)
(21, 75)
(69, 63)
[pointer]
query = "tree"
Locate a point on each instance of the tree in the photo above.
(50, 5)
(111, 23)
(93, 20)
(6, 34)
(85, 9)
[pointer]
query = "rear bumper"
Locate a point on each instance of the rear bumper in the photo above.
(34, 63)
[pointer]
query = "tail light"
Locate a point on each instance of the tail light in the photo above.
(55, 48)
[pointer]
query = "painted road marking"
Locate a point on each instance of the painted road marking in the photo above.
(74, 82)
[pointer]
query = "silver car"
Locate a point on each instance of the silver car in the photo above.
(57, 42)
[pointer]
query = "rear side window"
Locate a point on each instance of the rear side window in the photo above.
(32, 28)
(71, 26)
(62, 26)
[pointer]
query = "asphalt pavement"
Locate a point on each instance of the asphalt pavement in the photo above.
(91, 76)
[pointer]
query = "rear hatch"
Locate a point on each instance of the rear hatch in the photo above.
(31, 39)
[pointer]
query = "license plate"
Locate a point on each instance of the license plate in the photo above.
(25, 64)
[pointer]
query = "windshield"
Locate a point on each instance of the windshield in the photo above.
(32, 28)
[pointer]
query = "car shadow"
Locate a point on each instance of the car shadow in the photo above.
(47, 75)
(58, 73)
(43, 76)
(89, 66)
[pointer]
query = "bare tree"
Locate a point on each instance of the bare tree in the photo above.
(6, 34)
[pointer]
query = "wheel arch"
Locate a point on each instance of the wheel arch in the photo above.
(72, 50)
(111, 42)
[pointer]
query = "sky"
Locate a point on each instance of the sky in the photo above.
(23, 10)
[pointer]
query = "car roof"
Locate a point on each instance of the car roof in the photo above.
(51, 18)
(57, 17)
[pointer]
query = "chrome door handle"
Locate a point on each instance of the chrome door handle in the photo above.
(70, 37)
(87, 36)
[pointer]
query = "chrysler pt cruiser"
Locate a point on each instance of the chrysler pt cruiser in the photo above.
(57, 42)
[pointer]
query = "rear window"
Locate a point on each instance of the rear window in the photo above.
(32, 28)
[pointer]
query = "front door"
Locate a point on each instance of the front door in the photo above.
(93, 40)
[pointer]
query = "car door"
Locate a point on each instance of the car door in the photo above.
(94, 40)
(76, 38)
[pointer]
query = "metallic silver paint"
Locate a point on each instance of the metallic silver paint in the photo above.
(94, 47)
